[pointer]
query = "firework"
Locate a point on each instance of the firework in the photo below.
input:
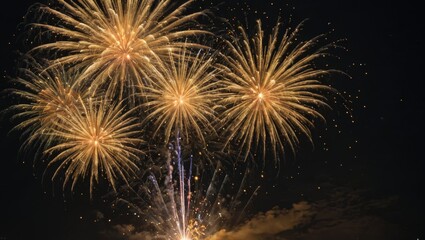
(45, 98)
(183, 96)
(183, 204)
(102, 140)
(274, 91)
(115, 41)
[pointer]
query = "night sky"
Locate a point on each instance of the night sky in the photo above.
(364, 178)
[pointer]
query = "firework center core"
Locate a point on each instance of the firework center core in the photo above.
(181, 101)
(260, 96)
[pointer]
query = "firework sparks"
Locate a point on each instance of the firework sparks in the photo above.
(274, 89)
(175, 207)
(183, 95)
(46, 96)
(264, 95)
(116, 41)
(100, 140)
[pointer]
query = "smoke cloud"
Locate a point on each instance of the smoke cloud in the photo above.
(267, 225)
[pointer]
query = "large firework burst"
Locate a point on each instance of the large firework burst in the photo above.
(183, 95)
(115, 41)
(274, 89)
(101, 140)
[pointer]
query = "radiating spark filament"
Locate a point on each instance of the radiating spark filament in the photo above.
(274, 90)
(183, 95)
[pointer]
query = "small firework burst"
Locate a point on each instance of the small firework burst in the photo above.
(45, 95)
(183, 96)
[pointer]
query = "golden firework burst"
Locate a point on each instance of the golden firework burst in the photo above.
(116, 41)
(274, 90)
(183, 95)
(101, 140)
(46, 95)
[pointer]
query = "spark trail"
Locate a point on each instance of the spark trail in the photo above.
(178, 208)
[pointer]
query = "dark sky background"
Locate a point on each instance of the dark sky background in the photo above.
(379, 158)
